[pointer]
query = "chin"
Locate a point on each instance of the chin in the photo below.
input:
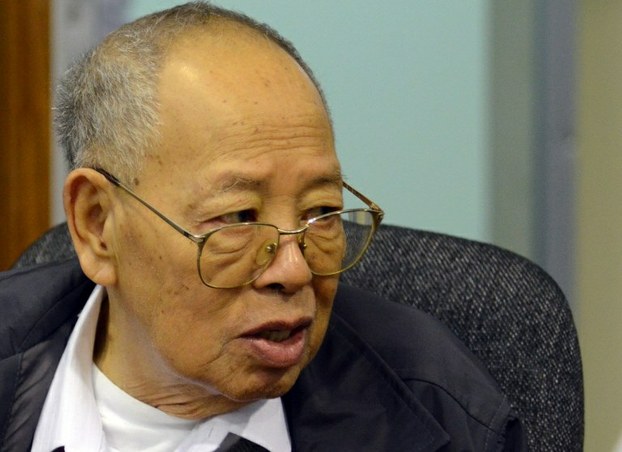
(267, 384)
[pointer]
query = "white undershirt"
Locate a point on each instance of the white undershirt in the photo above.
(131, 425)
(79, 398)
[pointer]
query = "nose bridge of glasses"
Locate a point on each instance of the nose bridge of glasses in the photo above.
(299, 232)
(290, 250)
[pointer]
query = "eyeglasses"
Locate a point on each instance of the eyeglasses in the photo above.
(237, 254)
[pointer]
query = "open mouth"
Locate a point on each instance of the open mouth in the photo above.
(279, 335)
(279, 344)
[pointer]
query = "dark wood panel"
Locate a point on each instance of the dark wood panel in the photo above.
(24, 124)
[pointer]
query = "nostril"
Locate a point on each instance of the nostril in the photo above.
(276, 287)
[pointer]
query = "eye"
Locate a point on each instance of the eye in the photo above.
(243, 216)
(318, 211)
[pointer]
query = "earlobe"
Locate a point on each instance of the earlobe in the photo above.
(86, 198)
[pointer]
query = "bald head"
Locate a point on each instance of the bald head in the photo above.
(107, 111)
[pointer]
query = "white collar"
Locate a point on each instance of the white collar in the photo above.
(71, 418)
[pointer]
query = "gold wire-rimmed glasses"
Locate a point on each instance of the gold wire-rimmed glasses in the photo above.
(237, 254)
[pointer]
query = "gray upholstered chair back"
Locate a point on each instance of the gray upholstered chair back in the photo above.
(507, 310)
(504, 308)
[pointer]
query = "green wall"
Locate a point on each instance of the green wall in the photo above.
(407, 82)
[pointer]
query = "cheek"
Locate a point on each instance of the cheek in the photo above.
(155, 260)
(325, 289)
(191, 326)
(168, 299)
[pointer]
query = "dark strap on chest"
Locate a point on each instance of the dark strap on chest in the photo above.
(242, 445)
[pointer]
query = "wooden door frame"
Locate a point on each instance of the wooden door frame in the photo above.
(24, 125)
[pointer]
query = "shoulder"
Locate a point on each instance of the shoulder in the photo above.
(35, 301)
(450, 382)
(38, 307)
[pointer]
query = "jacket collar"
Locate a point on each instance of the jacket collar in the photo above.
(349, 399)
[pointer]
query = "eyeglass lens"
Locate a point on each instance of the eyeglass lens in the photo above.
(238, 254)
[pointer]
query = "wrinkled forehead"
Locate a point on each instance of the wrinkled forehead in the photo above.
(212, 85)
(240, 99)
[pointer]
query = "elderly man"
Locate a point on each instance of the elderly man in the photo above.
(207, 212)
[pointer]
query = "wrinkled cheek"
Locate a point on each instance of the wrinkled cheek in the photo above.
(151, 253)
(187, 334)
(325, 290)
(186, 355)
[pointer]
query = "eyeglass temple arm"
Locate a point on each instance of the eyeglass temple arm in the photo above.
(112, 179)
(372, 205)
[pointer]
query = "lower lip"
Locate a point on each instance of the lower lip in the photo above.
(279, 354)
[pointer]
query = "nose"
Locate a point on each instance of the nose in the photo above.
(289, 271)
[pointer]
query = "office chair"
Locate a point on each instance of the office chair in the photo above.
(506, 310)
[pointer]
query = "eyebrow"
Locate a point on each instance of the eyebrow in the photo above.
(236, 183)
(232, 182)
(335, 179)
(239, 183)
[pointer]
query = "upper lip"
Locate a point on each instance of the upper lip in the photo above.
(279, 325)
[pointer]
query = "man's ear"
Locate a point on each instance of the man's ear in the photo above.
(87, 200)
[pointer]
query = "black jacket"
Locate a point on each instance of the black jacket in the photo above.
(387, 377)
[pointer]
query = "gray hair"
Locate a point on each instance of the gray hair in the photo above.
(107, 103)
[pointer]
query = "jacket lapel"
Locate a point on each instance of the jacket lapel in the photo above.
(349, 399)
